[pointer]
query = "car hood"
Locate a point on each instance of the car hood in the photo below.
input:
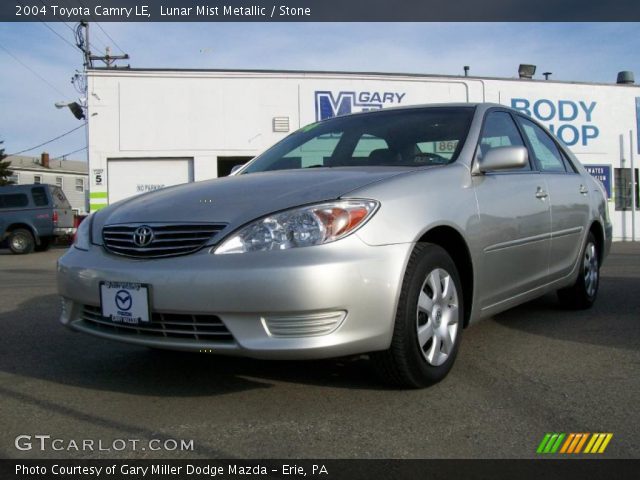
(239, 199)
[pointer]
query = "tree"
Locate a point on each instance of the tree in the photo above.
(5, 173)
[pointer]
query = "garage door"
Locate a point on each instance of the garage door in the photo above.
(129, 177)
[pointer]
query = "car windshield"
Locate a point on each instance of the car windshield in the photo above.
(412, 138)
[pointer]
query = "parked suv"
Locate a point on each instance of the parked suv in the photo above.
(32, 215)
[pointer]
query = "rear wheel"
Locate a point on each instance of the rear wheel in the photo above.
(583, 293)
(428, 326)
(21, 241)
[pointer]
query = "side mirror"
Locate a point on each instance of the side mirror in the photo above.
(502, 158)
(235, 168)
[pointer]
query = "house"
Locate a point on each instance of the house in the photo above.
(70, 175)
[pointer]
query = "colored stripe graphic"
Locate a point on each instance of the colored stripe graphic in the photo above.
(573, 443)
(543, 443)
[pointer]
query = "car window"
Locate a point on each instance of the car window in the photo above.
(313, 153)
(410, 138)
(544, 148)
(443, 148)
(60, 199)
(39, 196)
(500, 130)
(14, 200)
(367, 144)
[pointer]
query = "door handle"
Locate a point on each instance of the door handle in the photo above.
(541, 194)
(583, 190)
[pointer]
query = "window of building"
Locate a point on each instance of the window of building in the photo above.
(37, 179)
(623, 188)
(59, 182)
(14, 178)
(79, 184)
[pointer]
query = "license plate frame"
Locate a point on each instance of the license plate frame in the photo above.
(126, 303)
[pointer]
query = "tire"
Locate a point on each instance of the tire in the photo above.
(45, 244)
(21, 241)
(582, 294)
(418, 360)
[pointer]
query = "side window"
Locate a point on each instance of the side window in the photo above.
(500, 131)
(14, 200)
(544, 148)
(39, 196)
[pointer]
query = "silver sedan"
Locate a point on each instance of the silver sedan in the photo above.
(385, 233)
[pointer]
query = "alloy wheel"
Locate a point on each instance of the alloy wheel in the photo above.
(437, 316)
(590, 269)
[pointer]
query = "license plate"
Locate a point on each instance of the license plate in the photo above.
(126, 303)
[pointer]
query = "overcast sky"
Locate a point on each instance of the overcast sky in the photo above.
(581, 52)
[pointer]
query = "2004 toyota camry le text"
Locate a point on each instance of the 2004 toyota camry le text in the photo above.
(383, 232)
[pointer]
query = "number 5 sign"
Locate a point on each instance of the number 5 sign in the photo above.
(98, 176)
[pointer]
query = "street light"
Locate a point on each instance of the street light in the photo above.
(75, 108)
(526, 71)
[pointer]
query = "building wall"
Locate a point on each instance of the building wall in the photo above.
(203, 115)
(77, 199)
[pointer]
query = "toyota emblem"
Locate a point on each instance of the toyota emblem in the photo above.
(142, 236)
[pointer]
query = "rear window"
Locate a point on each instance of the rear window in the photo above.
(14, 200)
(39, 197)
(59, 199)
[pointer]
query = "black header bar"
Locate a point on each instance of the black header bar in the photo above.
(321, 10)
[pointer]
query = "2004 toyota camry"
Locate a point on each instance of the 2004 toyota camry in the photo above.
(383, 232)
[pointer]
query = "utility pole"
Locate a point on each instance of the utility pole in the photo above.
(82, 41)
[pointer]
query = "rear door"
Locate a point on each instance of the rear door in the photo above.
(568, 198)
(515, 222)
(63, 213)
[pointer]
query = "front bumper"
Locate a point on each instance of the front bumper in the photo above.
(243, 290)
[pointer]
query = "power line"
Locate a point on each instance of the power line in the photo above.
(70, 153)
(56, 15)
(60, 36)
(48, 141)
(31, 70)
(109, 37)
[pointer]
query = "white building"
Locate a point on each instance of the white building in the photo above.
(153, 128)
(70, 175)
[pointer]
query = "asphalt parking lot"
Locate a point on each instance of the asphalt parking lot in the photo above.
(528, 371)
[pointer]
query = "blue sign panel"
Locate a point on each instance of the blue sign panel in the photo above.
(602, 173)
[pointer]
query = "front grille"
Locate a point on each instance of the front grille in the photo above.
(165, 240)
(207, 328)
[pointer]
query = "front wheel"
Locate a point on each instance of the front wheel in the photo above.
(583, 293)
(429, 321)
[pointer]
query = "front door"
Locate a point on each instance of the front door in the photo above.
(514, 223)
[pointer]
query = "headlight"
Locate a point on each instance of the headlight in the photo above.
(83, 234)
(301, 227)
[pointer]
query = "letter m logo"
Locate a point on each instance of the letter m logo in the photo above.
(328, 106)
